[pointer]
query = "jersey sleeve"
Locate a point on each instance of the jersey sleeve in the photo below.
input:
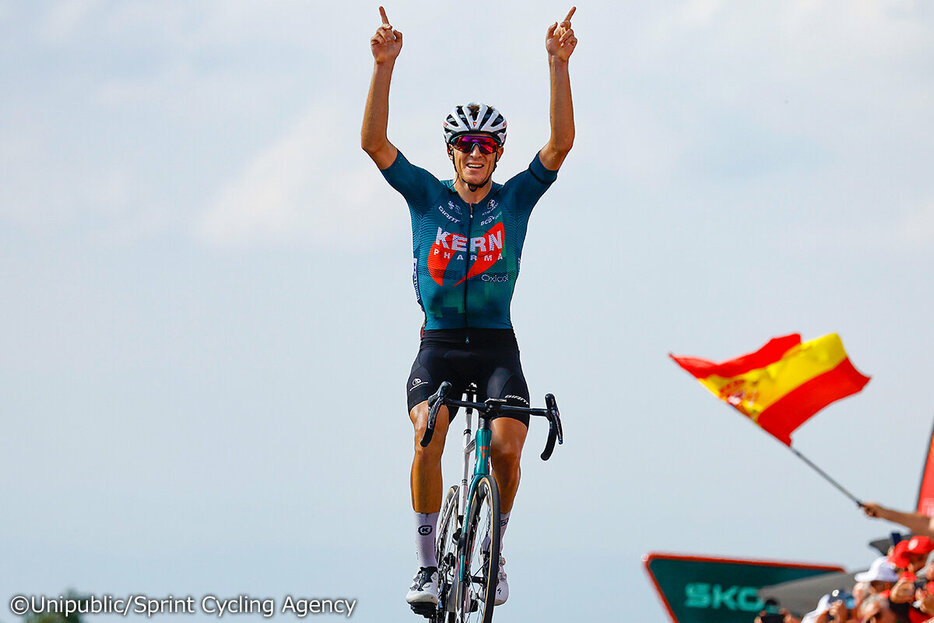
(414, 183)
(529, 185)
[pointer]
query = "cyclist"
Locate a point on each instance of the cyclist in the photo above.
(467, 239)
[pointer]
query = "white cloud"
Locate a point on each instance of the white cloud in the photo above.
(312, 185)
(65, 18)
(842, 33)
(46, 186)
(918, 227)
(235, 24)
(698, 13)
(654, 145)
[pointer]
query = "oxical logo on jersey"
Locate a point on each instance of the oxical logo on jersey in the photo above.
(483, 250)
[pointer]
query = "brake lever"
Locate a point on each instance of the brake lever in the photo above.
(434, 405)
(555, 433)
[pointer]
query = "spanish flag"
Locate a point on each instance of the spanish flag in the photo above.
(783, 383)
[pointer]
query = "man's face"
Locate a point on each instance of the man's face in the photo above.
(474, 166)
(878, 586)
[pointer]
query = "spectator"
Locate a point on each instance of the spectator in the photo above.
(876, 609)
(910, 597)
(924, 598)
(897, 588)
(861, 590)
(880, 577)
(911, 556)
(837, 606)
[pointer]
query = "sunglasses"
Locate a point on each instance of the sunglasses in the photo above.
(466, 142)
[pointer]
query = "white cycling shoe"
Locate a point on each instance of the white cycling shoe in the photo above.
(502, 585)
(424, 588)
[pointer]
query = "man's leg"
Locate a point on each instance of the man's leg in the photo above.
(427, 484)
(427, 491)
(508, 440)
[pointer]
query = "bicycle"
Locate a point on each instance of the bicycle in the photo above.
(467, 573)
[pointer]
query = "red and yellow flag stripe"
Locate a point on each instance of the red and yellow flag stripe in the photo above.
(782, 384)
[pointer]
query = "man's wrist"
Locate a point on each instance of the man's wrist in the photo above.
(557, 62)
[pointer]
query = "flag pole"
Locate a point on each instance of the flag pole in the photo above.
(826, 477)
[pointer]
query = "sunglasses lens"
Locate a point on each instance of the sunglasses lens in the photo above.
(466, 144)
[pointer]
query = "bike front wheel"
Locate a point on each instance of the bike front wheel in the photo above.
(475, 595)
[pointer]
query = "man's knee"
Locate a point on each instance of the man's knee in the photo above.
(508, 440)
(506, 458)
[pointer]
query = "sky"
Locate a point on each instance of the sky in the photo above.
(207, 316)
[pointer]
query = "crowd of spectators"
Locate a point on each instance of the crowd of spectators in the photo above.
(897, 587)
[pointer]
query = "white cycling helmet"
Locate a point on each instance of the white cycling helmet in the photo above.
(475, 117)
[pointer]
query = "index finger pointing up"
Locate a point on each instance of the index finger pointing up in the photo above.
(570, 13)
(382, 14)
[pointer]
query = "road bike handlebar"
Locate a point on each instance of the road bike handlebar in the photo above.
(494, 407)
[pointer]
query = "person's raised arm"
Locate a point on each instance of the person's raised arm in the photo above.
(916, 522)
(385, 45)
(560, 43)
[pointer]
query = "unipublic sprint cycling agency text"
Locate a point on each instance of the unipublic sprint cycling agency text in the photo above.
(144, 605)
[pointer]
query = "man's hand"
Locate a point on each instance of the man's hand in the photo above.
(839, 612)
(871, 509)
(386, 43)
(560, 40)
(927, 601)
(902, 592)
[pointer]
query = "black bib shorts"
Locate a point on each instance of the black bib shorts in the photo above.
(487, 357)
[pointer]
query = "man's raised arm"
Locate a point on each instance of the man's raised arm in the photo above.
(560, 43)
(385, 45)
(916, 522)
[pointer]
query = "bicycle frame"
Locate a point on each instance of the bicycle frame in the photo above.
(477, 444)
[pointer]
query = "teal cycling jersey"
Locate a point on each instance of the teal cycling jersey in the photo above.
(467, 256)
